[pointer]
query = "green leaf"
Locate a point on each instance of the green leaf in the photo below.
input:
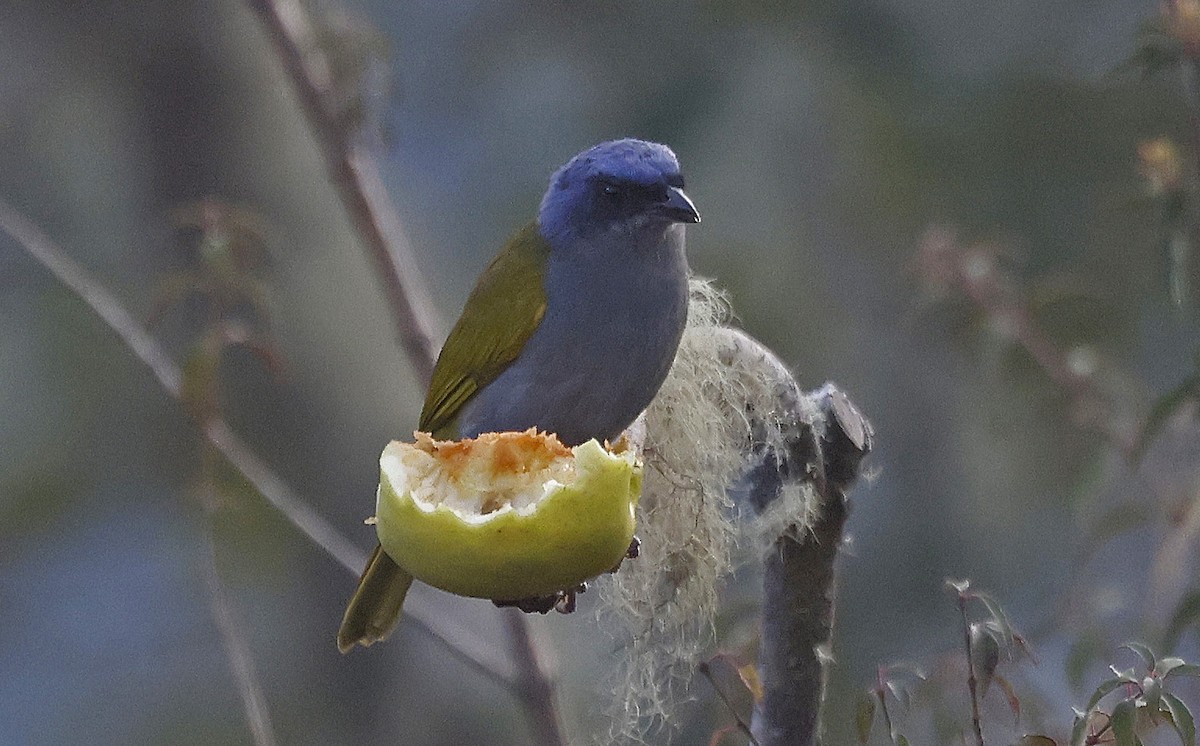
(1003, 626)
(864, 717)
(198, 388)
(1168, 664)
(1079, 731)
(1186, 669)
(1036, 741)
(911, 669)
(1151, 692)
(1143, 652)
(1181, 718)
(1102, 691)
(1124, 720)
(901, 741)
(985, 656)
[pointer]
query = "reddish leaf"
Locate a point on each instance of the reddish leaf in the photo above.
(1014, 702)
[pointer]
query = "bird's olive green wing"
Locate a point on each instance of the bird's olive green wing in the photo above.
(501, 314)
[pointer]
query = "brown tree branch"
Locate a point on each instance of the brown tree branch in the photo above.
(817, 439)
(356, 178)
(366, 201)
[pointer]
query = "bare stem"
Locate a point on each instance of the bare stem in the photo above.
(1189, 71)
(742, 725)
(218, 433)
(533, 683)
(972, 684)
(254, 702)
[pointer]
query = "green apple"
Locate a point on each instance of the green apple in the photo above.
(506, 515)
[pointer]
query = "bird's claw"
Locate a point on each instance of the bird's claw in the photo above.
(635, 548)
(561, 601)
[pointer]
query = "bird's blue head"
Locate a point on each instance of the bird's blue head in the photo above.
(619, 187)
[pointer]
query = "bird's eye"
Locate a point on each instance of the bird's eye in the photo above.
(611, 190)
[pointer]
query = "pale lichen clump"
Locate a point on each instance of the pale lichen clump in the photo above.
(717, 413)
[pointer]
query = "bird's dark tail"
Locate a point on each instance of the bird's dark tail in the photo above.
(375, 607)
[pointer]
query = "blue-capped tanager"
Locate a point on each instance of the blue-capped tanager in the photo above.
(571, 329)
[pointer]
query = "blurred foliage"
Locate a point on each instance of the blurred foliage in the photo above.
(979, 219)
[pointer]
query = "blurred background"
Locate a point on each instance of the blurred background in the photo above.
(963, 213)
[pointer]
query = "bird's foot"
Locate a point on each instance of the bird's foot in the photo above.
(561, 601)
(635, 548)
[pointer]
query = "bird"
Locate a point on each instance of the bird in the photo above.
(571, 329)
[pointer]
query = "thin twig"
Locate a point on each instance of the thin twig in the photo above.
(533, 684)
(1190, 71)
(972, 684)
(254, 702)
(270, 486)
(357, 179)
(706, 670)
(149, 351)
(975, 272)
(365, 198)
(218, 433)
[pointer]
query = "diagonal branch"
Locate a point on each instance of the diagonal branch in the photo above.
(218, 433)
(357, 180)
(147, 349)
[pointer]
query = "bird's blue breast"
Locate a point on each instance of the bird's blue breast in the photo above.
(614, 316)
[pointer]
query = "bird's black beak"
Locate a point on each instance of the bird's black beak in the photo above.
(679, 207)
